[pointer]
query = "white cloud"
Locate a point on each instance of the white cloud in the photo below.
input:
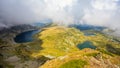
(104, 4)
(101, 13)
(94, 12)
(104, 13)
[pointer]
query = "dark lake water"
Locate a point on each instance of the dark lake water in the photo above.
(86, 44)
(25, 36)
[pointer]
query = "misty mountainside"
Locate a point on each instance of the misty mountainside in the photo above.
(61, 47)
(9, 33)
(59, 33)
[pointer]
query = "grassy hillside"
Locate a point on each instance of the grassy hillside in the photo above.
(87, 58)
(58, 41)
(57, 47)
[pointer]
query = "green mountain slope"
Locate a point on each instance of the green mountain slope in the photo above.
(63, 47)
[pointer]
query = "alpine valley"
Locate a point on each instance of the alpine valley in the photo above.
(54, 46)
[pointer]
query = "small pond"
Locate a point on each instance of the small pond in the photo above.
(86, 44)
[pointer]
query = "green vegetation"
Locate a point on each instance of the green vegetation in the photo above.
(112, 49)
(59, 45)
(92, 54)
(105, 52)
(25, 51)
(59, 41)
(74, 64)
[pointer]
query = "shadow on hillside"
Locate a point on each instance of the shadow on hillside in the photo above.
(112, 49)
(25, 50)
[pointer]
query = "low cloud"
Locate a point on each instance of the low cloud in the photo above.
(94, 12)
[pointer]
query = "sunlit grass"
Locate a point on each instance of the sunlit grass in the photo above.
(74, 64)
(59, 41)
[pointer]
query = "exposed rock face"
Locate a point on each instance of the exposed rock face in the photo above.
(12, 59)
(95, 63)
